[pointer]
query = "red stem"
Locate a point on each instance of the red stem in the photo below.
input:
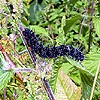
(9, 60)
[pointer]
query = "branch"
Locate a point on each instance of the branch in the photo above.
(32, 55)
(48, 89)
(91, 26)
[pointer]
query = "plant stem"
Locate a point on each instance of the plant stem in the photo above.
(32, 55)
(96, 76)
(82, 23)
(4, 93)
(48, 89)
(91, 26)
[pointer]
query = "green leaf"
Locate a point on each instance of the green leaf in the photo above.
(98, 7)
(53, 79)
(86, 78)
(35, 12)
(20, 97)
(70, 22)
(1, 71)
(87, 82)
(87, 71)
(53, 17)
(73, 1)
(25, 21)
(85, 28)
(91, 61)
(96, 22)
(39, 30)
(60, 38)
(4, 78)
(79, 67)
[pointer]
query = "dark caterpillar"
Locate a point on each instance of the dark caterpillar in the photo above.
(51, 52)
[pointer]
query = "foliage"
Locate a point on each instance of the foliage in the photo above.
(55, 22)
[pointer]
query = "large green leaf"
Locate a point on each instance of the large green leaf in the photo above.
(96, 22)
(91, 62)
(35, 12)
(86, 78)
(71, 21)
(87, 71)
(80, 67)
(5, 76)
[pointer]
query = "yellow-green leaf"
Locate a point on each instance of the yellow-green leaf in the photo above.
(4, 78)
(96, 22)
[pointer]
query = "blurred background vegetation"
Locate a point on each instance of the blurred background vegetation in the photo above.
(55, 22)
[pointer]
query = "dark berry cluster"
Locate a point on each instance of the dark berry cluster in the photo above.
(51, 52)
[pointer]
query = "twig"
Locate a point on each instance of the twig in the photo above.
(32, 55)
(15, 93)
(91, 26)
(48, 89)
(4, 93)
(82, 23)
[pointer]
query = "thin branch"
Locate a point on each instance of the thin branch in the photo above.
(91, 26)
(32, 55)
(4, 93)
(48, 89)
(82, 23)
(15, 92)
